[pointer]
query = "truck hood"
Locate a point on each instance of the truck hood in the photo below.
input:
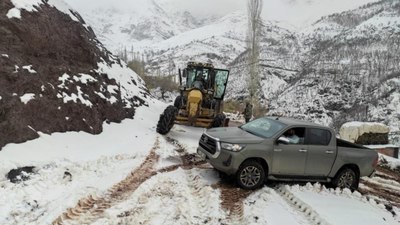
(234, 135)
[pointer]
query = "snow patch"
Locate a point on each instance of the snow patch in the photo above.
(4, 55)
(27, 97)
(32, 5)
(75, 97)
(29, 69)
(84, 78)
(130, 84)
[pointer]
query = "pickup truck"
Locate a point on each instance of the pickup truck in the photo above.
(285, 149)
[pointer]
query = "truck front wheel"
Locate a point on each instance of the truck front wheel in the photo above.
(250, 175)
(346, 178)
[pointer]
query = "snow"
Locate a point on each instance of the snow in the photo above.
(391, 162)
(27, 97)
(33, 5)
(29, 69)
(84, 78)
(4, 55)
(181, 196)
(95, 162)
(338, 211)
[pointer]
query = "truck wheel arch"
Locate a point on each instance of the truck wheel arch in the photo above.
(262, 161)
(354, 167)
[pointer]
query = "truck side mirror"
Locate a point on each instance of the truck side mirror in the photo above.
(283, 140)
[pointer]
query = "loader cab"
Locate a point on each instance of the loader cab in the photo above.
(195, 74)
(214, 80)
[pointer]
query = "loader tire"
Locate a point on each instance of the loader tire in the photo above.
(166, 121)
(178, 102)
(218, 120)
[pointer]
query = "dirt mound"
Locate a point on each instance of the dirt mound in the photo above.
(55, 76)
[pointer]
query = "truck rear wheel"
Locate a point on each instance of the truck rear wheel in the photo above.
(251, 175)
(346, 178)
(166, 121)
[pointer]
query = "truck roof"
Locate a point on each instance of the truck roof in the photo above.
(296, 122)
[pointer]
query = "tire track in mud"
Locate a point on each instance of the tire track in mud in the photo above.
(232, 199)
(393, 175)
(392, 197)
(384, 190)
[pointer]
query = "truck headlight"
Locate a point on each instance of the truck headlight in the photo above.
(232, 147)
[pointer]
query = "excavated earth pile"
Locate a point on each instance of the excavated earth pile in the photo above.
(55, 76)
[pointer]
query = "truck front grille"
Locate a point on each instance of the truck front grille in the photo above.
(208, 143)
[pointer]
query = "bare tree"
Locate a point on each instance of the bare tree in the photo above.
(254, 8)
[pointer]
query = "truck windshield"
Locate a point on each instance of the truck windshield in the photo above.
(263, 127)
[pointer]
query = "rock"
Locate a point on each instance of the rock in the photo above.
(20, 174)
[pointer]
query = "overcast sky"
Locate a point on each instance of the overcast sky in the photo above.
(296, 12)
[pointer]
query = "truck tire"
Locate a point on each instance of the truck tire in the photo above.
(251, 175)
(166, 121)
(218, 121)
(346, 178)
(178, 102)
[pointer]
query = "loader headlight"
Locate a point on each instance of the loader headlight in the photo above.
(232, 147)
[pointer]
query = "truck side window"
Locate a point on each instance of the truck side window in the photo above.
(295, 135)
(318, 136)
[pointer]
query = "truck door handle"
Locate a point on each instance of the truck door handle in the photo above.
(277, 150)
(329, 152)
(303, 150)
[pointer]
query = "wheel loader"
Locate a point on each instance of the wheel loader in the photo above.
(200, 103)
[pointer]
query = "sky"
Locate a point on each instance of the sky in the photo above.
(296, 12)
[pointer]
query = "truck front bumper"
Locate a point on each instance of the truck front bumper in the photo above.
(225, 161)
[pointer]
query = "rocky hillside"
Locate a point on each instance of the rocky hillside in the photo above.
(55, 76)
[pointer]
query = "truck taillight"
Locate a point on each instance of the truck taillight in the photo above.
(375, 163)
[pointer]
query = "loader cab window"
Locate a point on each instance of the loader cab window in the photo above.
(196, 74)
(221, 78)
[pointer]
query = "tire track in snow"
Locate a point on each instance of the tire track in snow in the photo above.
(231, 196)
(90, 208)
(296, 203)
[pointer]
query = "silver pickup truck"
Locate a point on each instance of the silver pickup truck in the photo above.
(285, 149)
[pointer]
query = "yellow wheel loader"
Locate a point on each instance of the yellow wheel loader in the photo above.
(200, 103)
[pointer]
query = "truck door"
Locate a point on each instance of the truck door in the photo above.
(289, 159)
(321, 152)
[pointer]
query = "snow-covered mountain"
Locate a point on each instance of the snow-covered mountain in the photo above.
(56, 76)
(350, 70)
(140, 26)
